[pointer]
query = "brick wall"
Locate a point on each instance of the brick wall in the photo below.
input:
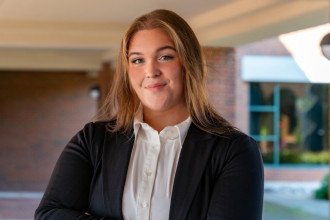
(295, 174)
(221, 80)
(105, 79)
(40, 112)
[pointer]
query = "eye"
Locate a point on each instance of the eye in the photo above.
(137, 61)
(166, 58)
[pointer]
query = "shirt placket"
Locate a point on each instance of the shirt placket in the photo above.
(148, 179)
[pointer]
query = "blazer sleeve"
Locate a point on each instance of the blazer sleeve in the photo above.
(238, 188)
(66, 196)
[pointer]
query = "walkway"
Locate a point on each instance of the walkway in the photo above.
(293, 201)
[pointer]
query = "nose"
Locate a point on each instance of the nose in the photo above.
(152, 69)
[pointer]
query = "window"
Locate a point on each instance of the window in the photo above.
(290, 121)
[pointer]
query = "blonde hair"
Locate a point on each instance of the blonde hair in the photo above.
(122, 103)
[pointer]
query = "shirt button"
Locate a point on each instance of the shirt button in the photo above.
(144, 204)
(148, 172)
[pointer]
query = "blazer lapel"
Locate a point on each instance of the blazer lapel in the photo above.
(117, 152)
(194, 156)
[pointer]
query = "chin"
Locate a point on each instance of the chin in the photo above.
(155, 108)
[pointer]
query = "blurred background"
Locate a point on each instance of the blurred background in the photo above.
(268, 75)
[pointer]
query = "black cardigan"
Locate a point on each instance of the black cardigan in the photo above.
(216, 177)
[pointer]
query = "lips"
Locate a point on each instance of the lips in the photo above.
(155, 85)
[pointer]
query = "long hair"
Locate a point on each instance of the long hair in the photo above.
(122, 102)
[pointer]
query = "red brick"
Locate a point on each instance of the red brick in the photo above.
(40, 112)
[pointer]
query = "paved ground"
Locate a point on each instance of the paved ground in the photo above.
(273, 211)
(17, 209)
(293, 201)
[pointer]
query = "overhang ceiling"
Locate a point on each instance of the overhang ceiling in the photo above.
(93, 28)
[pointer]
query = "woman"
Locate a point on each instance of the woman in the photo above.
(163, 152)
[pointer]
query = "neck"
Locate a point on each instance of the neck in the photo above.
(159, 120)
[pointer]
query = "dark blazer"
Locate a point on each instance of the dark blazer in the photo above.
(216, 177)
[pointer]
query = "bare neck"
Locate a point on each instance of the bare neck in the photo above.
(159, 120)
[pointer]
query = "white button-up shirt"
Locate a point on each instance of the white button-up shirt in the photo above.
(151, 172)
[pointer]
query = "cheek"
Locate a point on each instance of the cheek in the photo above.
(178, 77)
(134, 78)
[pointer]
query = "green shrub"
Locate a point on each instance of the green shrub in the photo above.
(293, 156)
(323, 191)
(321, 157)
(289, 156)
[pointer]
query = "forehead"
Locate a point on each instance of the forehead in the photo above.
(150, 38)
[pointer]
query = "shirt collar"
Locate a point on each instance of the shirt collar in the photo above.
(138, 120)
(182, 127)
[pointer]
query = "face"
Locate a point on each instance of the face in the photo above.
(155, 71)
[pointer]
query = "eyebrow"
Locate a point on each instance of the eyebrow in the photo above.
(157, 51)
